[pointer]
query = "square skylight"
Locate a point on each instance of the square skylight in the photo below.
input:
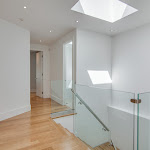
(108, 10)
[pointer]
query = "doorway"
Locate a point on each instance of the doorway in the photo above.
(66, 107)
(36, 73)
(68, 74)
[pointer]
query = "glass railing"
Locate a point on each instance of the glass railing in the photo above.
(88, 126)
(62, 103)
(100, 115)
(143, 122)
(104, 115)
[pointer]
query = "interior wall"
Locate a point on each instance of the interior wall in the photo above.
(130, 73)
(68, 62)
(33, 71)
(56, 66)
(93, 53)
(46, 67)
(15, 70)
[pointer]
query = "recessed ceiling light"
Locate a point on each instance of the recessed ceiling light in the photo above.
(77, 21)
(40, 41)
(25, 7)
(50, 31)
(113, 30)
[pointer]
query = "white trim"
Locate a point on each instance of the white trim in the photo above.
(32, 90)
(45, 49)
(64, 68)
(14, 112)
(57, 99)
(46, 95)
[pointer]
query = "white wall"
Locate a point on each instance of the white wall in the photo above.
(93, 53)
(15, 70)
(46, 67)
(56, 66)
(130, 65)
(68, 62)
(130, 72)
(33, 71)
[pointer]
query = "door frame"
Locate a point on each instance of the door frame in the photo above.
(41, 73)
(64, 67)
(36, 51)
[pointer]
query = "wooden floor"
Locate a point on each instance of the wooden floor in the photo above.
(105, 146)
(56, 107)
(35, 130)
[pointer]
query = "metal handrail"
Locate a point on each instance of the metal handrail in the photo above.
(105, 127)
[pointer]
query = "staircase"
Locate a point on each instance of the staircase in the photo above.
(105, 146)
(89, 129)
(82, 145)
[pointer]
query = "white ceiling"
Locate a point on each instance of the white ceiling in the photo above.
(41, 16)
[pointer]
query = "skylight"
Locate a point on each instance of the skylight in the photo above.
(99, 77)
(108, 10)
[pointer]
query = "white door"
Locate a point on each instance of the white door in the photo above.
(39, 74)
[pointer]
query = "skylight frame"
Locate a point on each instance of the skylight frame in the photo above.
(108, 10)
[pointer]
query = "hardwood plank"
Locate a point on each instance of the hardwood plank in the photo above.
(35, 130)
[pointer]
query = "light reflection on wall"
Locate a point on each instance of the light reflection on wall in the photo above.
(99, 77)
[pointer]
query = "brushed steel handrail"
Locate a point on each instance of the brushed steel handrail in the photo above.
(82, 101)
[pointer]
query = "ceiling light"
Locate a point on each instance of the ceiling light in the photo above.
(25, 7)
(114, 30)
(50, 31)
(111, 30)
(77, 21)
(40, 41)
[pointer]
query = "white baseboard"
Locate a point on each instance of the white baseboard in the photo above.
(32, 90)
(14, 112)
(57, 99)
(46, 95)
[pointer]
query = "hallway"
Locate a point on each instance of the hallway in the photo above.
(35, 130)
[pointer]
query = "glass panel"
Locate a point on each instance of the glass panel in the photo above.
(68, 96)
(121, 120)
(143, 122)
(87, 128)
(61, 99)
(114, 110)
